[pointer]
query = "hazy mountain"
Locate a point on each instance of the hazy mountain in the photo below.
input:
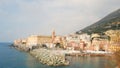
(111, 21)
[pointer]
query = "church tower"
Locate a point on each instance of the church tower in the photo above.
(53, 35)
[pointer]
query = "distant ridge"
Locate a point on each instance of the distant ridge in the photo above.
(111, 21)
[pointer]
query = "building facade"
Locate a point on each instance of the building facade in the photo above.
(38, 40)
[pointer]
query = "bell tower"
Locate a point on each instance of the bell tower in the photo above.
(53, 35)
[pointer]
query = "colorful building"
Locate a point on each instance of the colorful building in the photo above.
(35, 40)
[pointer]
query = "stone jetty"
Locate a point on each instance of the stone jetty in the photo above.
(49, 57)
(45, 56)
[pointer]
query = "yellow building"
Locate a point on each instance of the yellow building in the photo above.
(37, 40)
(114, 39)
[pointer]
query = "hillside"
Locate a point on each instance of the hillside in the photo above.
(111, 21)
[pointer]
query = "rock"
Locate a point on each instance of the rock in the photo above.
(45, 56)
(49, 57)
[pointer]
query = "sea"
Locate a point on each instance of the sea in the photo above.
(12, 58)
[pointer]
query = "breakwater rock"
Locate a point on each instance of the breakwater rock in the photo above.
(49, 57)
(22, 47)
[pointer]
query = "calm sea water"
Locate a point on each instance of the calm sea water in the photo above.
(12, 58)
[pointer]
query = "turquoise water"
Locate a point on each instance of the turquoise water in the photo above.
(12, 58)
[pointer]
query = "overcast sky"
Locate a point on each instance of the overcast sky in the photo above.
(22, 18)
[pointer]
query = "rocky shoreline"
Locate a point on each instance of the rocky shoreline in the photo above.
(45, 56)
(21, 47)
(56, 57)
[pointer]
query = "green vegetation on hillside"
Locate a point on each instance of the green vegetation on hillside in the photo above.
(111, 21)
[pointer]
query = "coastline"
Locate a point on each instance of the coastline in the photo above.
(45, 56)
(52, 57)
